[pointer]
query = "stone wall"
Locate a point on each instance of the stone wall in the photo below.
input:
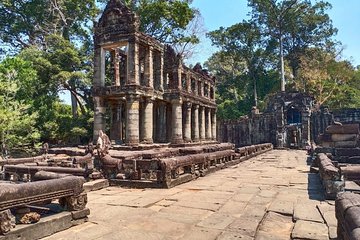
(264, 127)
(322, 118)
(259, 128)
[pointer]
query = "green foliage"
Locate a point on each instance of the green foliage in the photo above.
(16, 120)
(329, 80)
(242, 67)
(299, 24)
(25, 23)
(251, 52)
(165, 20)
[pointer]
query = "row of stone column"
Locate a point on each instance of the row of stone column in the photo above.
(197, 123)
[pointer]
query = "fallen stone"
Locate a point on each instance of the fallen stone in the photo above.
(343, 129)
(80, 214)
(31, 217)
(96, 185)
(344, 137)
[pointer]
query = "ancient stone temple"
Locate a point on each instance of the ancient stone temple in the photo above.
(286, 122)
(150, 95)
(293, 118)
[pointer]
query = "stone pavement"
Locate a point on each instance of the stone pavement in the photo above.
(272, 196)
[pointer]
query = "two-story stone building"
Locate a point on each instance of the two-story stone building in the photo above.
(152, 97)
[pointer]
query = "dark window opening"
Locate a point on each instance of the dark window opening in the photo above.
(293, 116)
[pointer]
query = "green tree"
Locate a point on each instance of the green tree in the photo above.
(328, 79)
(25, 23)
(242, 46)
(17, 122)
(295, 25)
(164, 20)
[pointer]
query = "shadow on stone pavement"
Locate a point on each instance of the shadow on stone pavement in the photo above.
(315, 188)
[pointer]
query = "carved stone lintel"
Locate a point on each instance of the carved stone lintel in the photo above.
(74, 203)
(7, 221)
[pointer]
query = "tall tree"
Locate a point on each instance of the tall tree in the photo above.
(295, 24)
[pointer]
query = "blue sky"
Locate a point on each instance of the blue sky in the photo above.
(344, 14)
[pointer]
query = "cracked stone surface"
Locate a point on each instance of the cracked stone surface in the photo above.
(271, 196)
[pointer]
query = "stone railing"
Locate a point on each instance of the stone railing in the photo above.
(68, 189)
(347, 211)
(330, 175)
(170, 167)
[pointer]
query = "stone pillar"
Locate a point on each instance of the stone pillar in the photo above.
(201, 88)
(195, 125)
(147, 124)
(176, 122)
(161, 87)
(161, 123)
(306, 128)
(149, 67)
(99, 67)
(133, 63)
(202, 123)
(116, 62)
(208, 124)
(99, 117)
(213, 125)
(132, 120)
(280, 127)
(187, 132)
(188, 83)
(116, 122)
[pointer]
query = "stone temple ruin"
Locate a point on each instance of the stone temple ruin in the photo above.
(152, 96)
(286, 123)
(163, 124)
(161, 133)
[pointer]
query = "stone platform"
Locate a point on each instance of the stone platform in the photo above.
(167, 167)
(271, 196)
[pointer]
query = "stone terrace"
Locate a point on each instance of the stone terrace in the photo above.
(272, 196)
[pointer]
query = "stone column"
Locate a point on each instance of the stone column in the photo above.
(176, 122)
(132, 120)
(149, 67)
(99, 117)
(187, 132)
(133, 63)
(99, 67)
(116, 62)
(213, 125)
(116, 122)
(208, 124)
(147, 124)
(188, 83)
(201, 88)
(280, 127)
(161, 123)
(161, 87)
(202, 123)
(306, 128)
(195, 125)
